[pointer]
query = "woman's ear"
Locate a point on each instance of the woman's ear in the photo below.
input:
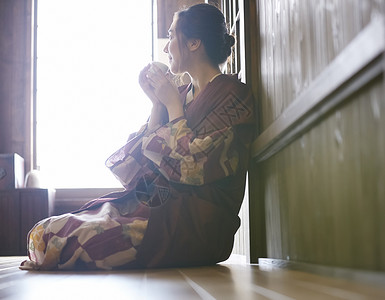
(193, 44)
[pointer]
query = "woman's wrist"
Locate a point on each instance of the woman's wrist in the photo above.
(175, 113)
(156, 117)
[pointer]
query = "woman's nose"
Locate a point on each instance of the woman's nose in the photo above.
(165, 49)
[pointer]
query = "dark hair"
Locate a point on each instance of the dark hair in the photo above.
(207, 23)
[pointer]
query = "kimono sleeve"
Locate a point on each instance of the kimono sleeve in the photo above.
(184, 158)
(127, 163)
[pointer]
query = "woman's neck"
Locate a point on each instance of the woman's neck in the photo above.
(202, 76)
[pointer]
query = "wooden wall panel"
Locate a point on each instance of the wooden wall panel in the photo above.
(299, 39)
(323, 192)
(9, 222)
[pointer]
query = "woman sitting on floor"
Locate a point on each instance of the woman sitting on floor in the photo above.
(183, 172)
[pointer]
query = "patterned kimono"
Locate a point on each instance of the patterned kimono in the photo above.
(184, 185)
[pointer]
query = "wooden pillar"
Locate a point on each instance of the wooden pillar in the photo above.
(15, 77)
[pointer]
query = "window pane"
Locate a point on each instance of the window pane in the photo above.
(90, 53)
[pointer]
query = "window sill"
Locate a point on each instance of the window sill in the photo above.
(67, 200)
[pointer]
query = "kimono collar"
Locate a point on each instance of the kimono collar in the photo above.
(190, 94)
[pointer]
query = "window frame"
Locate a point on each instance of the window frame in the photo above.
(70, 195)
(66, 199)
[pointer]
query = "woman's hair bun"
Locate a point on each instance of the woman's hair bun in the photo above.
(229, 40)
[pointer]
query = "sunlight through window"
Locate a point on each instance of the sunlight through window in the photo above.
(90, 53)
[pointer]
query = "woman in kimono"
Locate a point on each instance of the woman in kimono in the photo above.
(184, 171)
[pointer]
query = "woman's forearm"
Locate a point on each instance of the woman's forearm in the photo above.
(158, 112)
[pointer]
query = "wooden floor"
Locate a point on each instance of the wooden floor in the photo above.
(232, 279)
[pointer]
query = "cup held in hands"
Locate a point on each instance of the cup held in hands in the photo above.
(161, 66)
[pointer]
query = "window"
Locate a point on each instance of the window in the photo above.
(88, 100)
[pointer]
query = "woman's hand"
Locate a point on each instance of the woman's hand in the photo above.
(146, 86)
(159, 88)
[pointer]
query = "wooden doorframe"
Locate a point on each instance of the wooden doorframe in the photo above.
(242, 18)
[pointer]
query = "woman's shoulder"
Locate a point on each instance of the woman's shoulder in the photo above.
(230, 82)
(234, 77)
(230, 79)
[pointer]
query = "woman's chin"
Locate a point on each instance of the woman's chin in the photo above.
(174, 69)
(171, 67)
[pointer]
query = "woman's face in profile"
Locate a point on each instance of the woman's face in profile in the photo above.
(172, 49)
